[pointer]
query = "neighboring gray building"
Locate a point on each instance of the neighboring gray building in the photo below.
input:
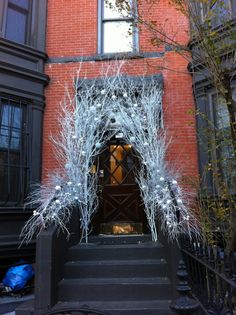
(22, 82)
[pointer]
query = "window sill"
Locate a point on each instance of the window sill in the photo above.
(106, 57)
(119, 56)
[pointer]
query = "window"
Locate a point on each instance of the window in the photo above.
(14, 143)
(117, 32)
(218, 11)
(18, 20)
(223, 142)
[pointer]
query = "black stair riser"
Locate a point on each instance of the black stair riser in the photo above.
(134, 239)
(141, 312)
(160, 307)
(110, 292)
(103, 271)
(113, 253)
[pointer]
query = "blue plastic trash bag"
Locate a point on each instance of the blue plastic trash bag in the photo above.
(17, 277)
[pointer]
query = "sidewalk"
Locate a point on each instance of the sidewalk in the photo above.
(8, 304)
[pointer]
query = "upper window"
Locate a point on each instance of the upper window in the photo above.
(218, 11)
(18, 20)
(14, 145)
(223, 142)
(117, 31)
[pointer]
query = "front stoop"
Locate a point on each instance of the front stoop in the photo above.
(117, 274)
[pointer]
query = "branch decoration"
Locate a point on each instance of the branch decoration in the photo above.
(100, 109)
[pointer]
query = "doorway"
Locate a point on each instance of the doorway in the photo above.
(120, 205)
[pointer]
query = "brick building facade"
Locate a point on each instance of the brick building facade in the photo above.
(72, 40)
(42, 45)
(58, 37)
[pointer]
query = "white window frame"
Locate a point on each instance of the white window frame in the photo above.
(102, 21)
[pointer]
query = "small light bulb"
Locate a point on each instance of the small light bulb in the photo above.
(98, 145)
(132, 139)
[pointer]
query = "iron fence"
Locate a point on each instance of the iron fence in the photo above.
(212, 272)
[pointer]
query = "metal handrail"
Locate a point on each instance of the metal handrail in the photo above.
(212, 271)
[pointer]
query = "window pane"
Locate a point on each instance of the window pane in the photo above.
(221, 12)
(218, 11)
(111, 10)
(16, 26)
(222, 114)
(118, 37)
(10, 127)
(225, 154)
(13, 152)
(10, 176)
(121, 168)
(20, 3)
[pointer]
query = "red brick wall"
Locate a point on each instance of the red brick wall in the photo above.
(72, 32)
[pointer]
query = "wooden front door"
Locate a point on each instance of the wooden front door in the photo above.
(120, 196)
